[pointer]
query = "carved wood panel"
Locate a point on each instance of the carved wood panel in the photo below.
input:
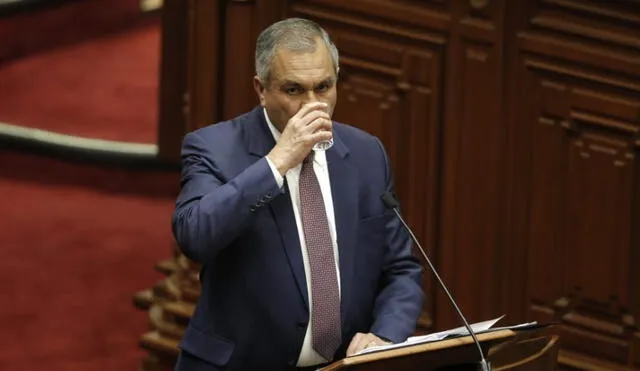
(390, 86)
(580, 215)
(405, 17)
(172, 123)
(245, 21)
(473, 164)
(575, 119)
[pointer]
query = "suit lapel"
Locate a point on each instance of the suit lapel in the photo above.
(260, 141)
(344, 191)
(282, 211)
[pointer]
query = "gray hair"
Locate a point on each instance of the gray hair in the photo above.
(295, 34)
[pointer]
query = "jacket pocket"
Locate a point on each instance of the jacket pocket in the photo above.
(373, 224)
(208, 347)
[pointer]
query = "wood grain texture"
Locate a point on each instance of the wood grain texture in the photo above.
(172, 123)
(574, 116)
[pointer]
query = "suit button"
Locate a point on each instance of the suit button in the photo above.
(292, 362)
(301, 325)
(252, 208)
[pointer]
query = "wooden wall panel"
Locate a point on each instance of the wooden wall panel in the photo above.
(473, 164)
(222, 56)
(172, 123)
(408, 17)
(205, 30)
(575, 119)
(240, 42)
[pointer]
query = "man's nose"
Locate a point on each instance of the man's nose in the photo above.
(310, 97)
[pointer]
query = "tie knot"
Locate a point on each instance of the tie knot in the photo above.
(309, 158)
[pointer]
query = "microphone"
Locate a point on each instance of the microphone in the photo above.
(390, 202)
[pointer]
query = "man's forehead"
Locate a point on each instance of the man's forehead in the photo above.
(303, 66)
(304, 76)
(307, 78)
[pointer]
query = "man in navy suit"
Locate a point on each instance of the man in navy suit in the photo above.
(302, 263)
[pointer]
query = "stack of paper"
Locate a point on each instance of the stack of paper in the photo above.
(459, 331)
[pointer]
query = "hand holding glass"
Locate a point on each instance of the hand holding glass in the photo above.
(323, 145)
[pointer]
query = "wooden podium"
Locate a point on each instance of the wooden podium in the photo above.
(456, 354)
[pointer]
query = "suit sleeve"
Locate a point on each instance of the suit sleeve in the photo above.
(400, 297)
(211, 211)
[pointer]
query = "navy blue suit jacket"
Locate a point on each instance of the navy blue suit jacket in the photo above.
(233, 219)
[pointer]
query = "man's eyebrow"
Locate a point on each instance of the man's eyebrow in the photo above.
(329, 79)
(291, 82)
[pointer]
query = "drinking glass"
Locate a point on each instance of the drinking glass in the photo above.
(323, 145)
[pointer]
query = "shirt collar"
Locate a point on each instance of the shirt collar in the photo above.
(319, 158)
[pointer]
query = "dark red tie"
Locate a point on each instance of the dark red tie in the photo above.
(325, 294)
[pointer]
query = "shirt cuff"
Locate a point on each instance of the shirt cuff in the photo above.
(276, 173)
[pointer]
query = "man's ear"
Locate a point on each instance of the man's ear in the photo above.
(259, 87)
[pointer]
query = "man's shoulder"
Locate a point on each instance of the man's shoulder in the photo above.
(225, 139)
(352, 135)
(226, 130)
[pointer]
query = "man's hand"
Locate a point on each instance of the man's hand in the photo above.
(362, 341)
(310, 125)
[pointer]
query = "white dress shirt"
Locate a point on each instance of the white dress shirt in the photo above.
(308, 356)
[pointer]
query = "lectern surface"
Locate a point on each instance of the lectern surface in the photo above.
(439, 355)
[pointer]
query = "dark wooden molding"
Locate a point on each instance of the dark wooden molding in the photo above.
(173, 97)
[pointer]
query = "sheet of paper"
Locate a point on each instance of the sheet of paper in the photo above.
(413, 340)
(516, 327)
(462, 330)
